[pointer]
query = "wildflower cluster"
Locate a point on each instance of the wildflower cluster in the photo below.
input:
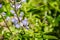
(23, 22)
(14, 20)
(29, 19)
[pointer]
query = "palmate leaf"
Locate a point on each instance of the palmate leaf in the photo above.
(49, 37)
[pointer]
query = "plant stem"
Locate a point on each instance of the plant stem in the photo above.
(16, 10)
(6, 24)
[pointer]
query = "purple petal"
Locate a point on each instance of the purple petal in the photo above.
(18, 6)
(17, 26)
(12, 11)
(14, 20)
(25, 23)
(0, 5)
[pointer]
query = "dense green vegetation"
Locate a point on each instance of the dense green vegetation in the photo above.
(29, 19)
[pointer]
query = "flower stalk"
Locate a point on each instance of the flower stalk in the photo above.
(16, 10)
(6, 24)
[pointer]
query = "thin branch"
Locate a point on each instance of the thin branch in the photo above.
(6, 24)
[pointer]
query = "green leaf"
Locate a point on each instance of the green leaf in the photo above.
(49, 37)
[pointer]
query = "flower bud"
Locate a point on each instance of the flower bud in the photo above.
(21, 14)
(0, 5)
(25, 22)
(3, 14)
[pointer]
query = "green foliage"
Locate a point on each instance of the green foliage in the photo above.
(43, 17)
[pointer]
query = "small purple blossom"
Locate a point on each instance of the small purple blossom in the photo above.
(25, 22)
(21, 14)
(17, 26)
(3, 14)
(14, 20)
(12, 11)
(18, 6)
(0, 5)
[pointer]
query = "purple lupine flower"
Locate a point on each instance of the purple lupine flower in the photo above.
(3, 14)
(21, 14)
(17, 25)
(25, 22)
(12, 11)
(18, 6)
(8, 18)
(0, 5)
(14, 20)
